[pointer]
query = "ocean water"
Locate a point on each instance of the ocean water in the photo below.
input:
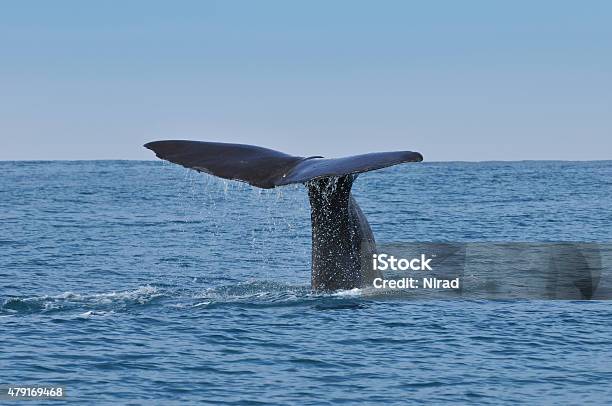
(145, 283)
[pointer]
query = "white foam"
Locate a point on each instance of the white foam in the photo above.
(349, 292)
(142, 295)
(92, 313)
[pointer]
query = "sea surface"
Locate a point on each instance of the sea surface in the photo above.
(145, 283)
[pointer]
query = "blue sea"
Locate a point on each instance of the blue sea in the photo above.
(131, 282)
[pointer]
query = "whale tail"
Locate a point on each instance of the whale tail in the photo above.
(342, 241)
(266, 168)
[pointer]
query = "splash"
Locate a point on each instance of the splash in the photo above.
(72, 301)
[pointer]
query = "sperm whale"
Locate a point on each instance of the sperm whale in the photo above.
(342, 240)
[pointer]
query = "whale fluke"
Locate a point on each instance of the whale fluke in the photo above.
(342, 241)
(266, 168)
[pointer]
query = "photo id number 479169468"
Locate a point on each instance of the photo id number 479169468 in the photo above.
(31, 392)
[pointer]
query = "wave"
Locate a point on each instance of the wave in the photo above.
(70, 301)
(245, 294)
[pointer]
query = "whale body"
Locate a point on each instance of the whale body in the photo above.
(342, 241)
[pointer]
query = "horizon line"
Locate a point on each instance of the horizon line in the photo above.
(424, 161)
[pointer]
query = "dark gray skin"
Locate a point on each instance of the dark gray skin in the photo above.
(342, 241)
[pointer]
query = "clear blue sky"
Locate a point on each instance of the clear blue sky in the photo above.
(455, 80)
